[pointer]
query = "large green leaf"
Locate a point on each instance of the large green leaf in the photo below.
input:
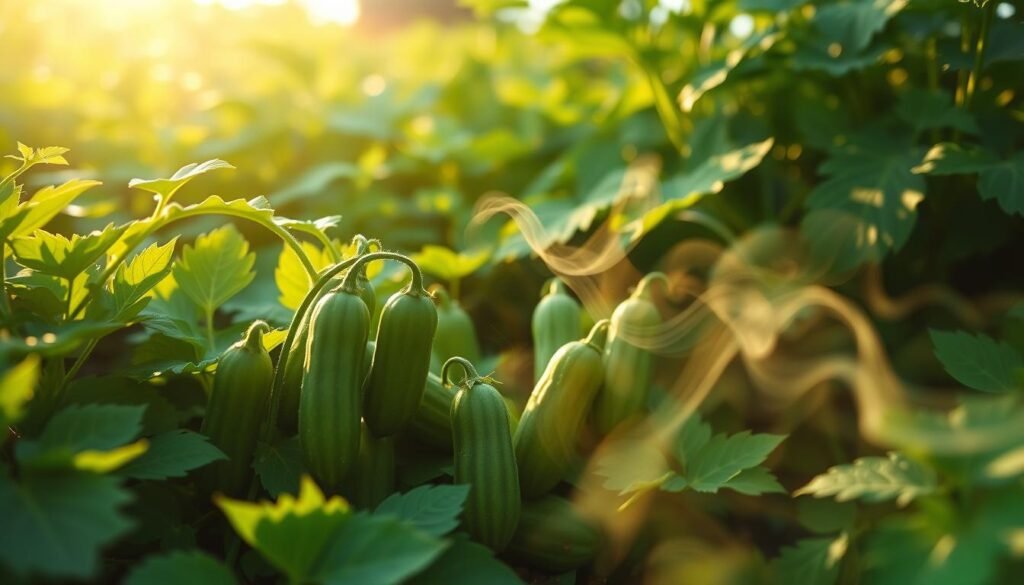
(467, 563)
(43, 206)
(56, 524)
(166, 188)
(998, 179)
(215, 268)
(978, 361)
(173, 454)
(59, 256)
(370, 550)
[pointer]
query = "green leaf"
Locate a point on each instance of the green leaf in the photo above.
(193, 567)
(56, 255)
(43, 206)
(47, 155)
(279, 466)
(874, 479)
(715, 74)
(446, 264)
(754, 482)
(433, 509)
(813, 561)
(978, 361)
(166, 188)
(293, 533)
(56, 524)
(825, 516)
(925, 110)
(292, 280)
(467, 563)
(92, 426)
(691, 438)
(1002, 180)
(369, 550)
(173, 454)
(868, 204)
(135, 278)
(216, 268)
(852, 24)
(724, 458)
(17, 385)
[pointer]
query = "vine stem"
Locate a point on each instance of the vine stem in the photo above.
(471, 373)
(981, 45)
(415, 285)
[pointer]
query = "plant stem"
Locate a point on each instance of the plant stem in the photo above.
(5, 303)
(210, 337)
(979, 53)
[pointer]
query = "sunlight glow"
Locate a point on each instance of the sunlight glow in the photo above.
(342, 12)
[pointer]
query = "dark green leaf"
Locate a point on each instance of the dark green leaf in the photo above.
(192, 567)
(813, 561)
(467, 563)
(978, 361)
(279, 466)
(370, 550)
(434, 509)
(173, 454)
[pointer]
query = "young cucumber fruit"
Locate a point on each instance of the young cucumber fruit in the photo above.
(236, 409)
(432, 423)
(455, 335)
(332, 383)
(288, 411)
(628, 367)
(484, 458)
(553, 536)
(556, 321)
(545, 440)
(401, 361)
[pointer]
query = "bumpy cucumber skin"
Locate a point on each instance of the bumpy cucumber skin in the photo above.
(556, 321)
(236, 409)
(432, 423)
(553, 536)
(486, 461)
(628, 368)
(288, 411)
(332, 387)
(401, 362)
(545, 439)
(374, 476)
(455, 334)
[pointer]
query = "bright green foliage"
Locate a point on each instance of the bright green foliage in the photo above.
(874, 479)
(215, 269)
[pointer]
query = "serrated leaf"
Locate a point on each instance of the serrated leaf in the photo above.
(135, 278)
(723, 458)
(192, 567)
(59, 256)
(434, 509)
(173, 454)
(467, 563)
(214, 269)
(813, 561)
(978, 361)
(17, 385)
(92, 426)
(715, 74)
(868, 204)
(291, 533)
(375, 550)
(754, 482)
(852, 24)
(1004, 182)
(166, 188)
(925, 110)
(279, 466)
(874, 479)
(691, 438)
(998, 179)
(292, 280)
(56, 524)
(43, 206)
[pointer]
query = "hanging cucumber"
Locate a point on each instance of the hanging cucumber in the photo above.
(332, 385)
(373, 478)
(556, 321)
(236, 409)
(628, 367)
(432, 423)
(484, 458)
(545, 440)
(455, 335)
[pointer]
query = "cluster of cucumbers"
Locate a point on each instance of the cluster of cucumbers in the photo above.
(349, 397)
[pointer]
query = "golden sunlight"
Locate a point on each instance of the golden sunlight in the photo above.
(343, 12)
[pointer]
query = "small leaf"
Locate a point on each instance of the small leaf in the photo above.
(434, 509)
(192, 567)
(723, 458)
(292, 533)
(446, 264)
(166, 188)
(978, 361)
(17, 385)
(135, 278)
(754, 482)
(467, 563)
(874, 479)
(173, 454)
(216, 268)
(43, 206)
(813, 561)
(376, 550)
(56, 524)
